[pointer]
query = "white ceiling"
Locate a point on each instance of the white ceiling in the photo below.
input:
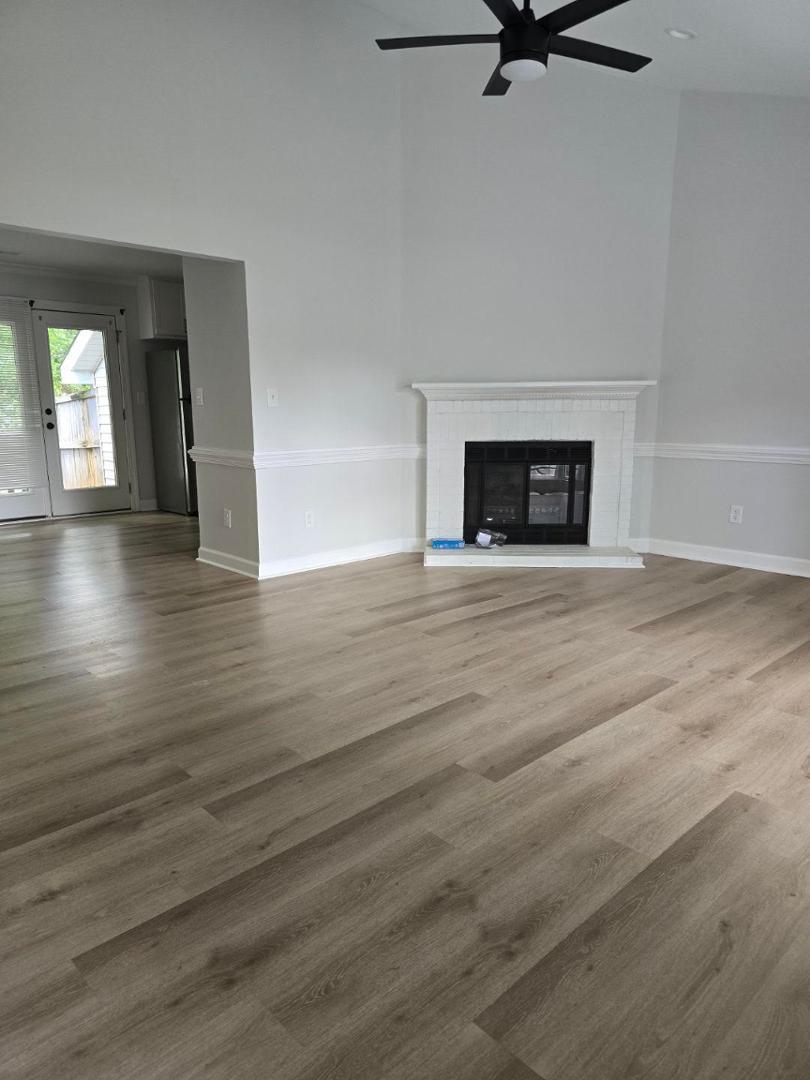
(19, 247)
(743, 46)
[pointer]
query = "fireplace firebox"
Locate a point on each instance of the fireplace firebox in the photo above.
(534, 492)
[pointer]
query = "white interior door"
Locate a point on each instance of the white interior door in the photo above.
(23, 475)
(82, 412)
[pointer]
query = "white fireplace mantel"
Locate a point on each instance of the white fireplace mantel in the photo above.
(510, 391)
(601, 412)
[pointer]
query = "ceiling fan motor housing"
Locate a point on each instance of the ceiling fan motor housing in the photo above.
(524, 42)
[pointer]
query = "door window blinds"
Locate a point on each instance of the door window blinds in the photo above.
(21, 453)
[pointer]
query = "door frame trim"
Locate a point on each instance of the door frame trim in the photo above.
(66, 307)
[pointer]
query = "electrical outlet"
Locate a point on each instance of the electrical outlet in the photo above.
(735, 515)
(272, 398)
(309, 519)
(226, 518)
(140, 397)
(199, 396)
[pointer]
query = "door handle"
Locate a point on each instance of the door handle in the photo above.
(49, 426)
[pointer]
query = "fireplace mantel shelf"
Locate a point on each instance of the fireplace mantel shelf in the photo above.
(505, 391)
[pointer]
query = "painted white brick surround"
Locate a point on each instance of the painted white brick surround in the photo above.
(603, 413)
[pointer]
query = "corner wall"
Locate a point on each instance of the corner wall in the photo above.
(536, 228)
(397, 227)
(219, 362)
(736, 371)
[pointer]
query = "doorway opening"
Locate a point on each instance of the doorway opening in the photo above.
(75, 407)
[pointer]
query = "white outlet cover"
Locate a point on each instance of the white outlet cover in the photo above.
(735, 515)
(199, 396)
(272, 398)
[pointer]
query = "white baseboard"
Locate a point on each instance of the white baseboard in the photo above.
(339, 556)
(301, 563)
(146, 506)
(746, 560)
(235, 563)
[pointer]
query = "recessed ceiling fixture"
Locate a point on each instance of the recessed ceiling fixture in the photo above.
(681, 35)
(527, 42)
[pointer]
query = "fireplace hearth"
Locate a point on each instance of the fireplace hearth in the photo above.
(534, 492)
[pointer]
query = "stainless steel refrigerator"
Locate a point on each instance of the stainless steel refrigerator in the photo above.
(167, 376)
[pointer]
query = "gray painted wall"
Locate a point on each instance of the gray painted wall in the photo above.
(395, 226)
(536, 229)
(737, 331)
(219, 365)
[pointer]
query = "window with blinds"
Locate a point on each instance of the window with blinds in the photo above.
(22, 467)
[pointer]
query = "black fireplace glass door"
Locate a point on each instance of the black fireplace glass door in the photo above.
(534, 492)
(503, 494)
(548, 494)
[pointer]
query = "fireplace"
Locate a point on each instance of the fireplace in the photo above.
(533, 492)
(596, 420)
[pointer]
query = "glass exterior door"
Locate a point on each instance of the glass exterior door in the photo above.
(82, 412)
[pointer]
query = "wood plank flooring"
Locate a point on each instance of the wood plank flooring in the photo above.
(387, 823)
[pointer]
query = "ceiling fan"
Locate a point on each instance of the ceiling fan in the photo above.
(527, 42)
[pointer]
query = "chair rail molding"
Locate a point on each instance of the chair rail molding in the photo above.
(774, 455)
(286, 459)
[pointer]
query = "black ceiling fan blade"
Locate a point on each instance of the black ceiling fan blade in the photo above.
(426, 42)
(497, 85)
(505, 11)
(557, 22)
(575, 49)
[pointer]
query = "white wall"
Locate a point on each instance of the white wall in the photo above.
(255, 131)
(287, 150)
(536, 227)
(736, 353)
(395, 226)
(73, 290)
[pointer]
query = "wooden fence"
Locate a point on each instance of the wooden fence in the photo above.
(80, 449)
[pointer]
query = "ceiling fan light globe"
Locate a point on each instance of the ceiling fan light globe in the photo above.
(524, 69)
